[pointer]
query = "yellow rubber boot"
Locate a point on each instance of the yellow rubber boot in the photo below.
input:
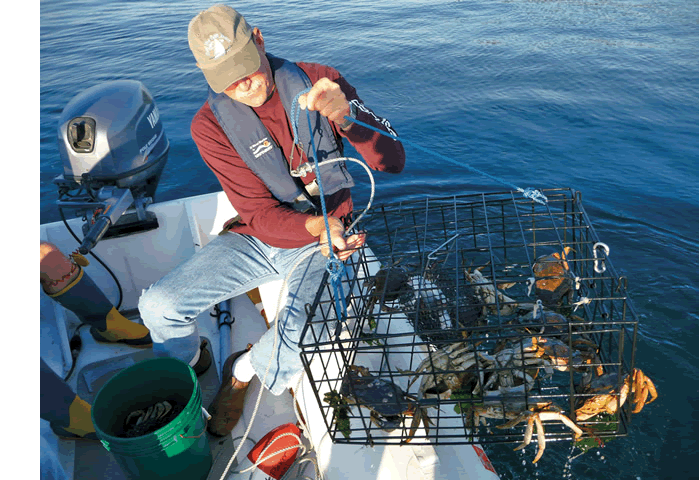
(121, 329)
(84, 298)
(81, 425)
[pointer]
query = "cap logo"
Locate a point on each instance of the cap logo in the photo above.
(216, 45)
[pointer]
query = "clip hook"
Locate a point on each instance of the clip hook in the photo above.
(599, 264)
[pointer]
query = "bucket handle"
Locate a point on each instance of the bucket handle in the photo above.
(207, 417)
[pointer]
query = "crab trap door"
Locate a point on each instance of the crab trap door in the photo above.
(470, 313)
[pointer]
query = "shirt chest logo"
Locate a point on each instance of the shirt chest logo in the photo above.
(261, 147)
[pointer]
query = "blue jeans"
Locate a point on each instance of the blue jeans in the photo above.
(230, 265)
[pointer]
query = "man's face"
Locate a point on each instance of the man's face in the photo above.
(256, 88)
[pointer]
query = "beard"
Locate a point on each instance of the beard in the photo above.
(256, 95)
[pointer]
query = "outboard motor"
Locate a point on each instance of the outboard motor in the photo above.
(113, 149)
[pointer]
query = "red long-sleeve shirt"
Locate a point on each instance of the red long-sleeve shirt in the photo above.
(262, 215)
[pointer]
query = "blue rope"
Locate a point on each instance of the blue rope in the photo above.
(333, 266)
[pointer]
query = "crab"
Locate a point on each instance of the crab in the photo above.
(562, 357)
(387, 402)
(536, 415)
(512, 368)
(389, 284)
(606, 394)
(554, 280)
(554, 344)
(444, 370)
(493, 299)
(513, 408)
(459, 367)
(417, 296)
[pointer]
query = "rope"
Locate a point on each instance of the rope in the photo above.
(333, 266)
(530, 193)
(269, 363)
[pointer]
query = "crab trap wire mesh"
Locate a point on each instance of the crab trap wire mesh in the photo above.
(483, 318)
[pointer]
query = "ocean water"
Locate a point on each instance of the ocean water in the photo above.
(597, 95)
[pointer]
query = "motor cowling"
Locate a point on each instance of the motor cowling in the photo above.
(113, 148)
(112, 133)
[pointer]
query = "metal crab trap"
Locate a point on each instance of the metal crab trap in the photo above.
(478, 318)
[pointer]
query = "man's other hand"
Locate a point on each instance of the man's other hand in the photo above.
(328, 99)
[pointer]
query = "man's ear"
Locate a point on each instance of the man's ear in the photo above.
(258, 37)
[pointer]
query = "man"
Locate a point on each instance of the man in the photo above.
(244, 134)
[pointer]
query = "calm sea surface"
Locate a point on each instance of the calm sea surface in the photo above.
(600, 96)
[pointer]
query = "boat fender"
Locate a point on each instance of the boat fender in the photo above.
(278, 439)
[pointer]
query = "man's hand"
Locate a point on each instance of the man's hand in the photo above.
(343, 247)
(328, 99)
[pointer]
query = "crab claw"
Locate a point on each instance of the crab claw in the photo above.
(420, 415)
(643, 387)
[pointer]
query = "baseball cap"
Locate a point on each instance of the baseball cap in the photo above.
(222, 42)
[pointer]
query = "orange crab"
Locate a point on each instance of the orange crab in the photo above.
(535, 415)
(608, 397)
(554, 279)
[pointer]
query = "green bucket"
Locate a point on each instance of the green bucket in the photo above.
(179, 449)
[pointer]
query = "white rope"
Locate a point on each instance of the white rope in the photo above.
(269, 363)
(308, 167)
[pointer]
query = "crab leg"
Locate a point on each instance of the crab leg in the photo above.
(643, 387)
(528, 433)
(562, 418)
(513, 390)
(519, 418)
(414, 425)
(420, 415)
(652, 390)
(492, 379)
(540, 438)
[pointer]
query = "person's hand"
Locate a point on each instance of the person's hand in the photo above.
(328, 99)
(342, 247)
